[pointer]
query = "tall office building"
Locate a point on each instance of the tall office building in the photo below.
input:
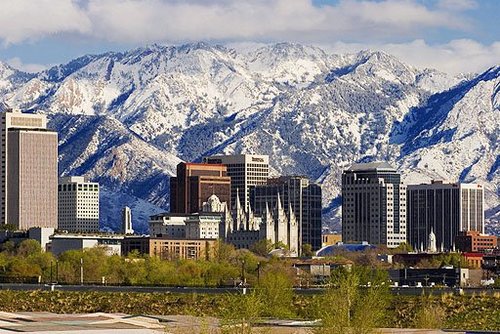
(246, 171)
(446, 209)
(78, 204)
(127, 221)
(297, 194)
(195, 183)
(373, 205)
(28, 179)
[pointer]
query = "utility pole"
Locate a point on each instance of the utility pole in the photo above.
(81, 271)
(258, 272)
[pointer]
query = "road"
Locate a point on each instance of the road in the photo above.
(200, 290)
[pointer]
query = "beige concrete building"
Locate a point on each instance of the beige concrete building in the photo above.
(28, 180)
(373, 205)
(330, 239)
(169, 248)
(78, 204)
(246, 171)
(28, 177)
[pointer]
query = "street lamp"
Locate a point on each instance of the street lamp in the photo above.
(81, 271)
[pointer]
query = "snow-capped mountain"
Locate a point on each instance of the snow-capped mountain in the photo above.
(126, 119)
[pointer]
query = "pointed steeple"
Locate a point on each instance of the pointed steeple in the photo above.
(228, 220)
(252, 221)
(268, 217)
(241, 219)
(291, 215)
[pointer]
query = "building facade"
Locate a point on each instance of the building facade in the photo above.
(194, 183)
(447, 209)
(170, 225)
(373, 205)
(171, 249)
(78, 204)
(330, 239)
(299, 194)
(246, 171)
(61, 243)
(473, 241)
(127, 221)
(28, 180)
(203, 226)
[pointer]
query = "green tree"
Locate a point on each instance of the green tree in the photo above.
(348, 307)
(28, 247)
(241, 313)
(262, 247)
(402, 248)
(275, 289)
(307, 250)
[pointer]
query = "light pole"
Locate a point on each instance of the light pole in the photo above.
(81, 271)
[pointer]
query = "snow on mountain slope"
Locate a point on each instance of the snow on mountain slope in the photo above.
(105, 151)
(456, 136)
(11, 79)
(126, 119)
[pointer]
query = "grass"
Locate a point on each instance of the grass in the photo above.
(478, 312)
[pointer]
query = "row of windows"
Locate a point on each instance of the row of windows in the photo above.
(75, 187)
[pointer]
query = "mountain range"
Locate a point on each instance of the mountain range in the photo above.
(125, 119)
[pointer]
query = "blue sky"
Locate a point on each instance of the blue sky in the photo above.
(451, 35)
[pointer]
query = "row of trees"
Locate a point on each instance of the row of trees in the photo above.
(27, 261)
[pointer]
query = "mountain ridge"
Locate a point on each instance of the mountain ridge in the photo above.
(314, 112)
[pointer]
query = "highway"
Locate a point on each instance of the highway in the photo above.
(203, 290)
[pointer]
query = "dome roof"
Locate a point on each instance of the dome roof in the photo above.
(330, 249)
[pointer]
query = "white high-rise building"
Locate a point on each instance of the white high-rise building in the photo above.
(127, 221)
(246, 171)
(28, 174)
(373, 205)
(78, 204)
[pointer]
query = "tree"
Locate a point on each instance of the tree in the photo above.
(28, 247)
(403, 248)
(349, 307)
(241, 313)
(307, 250)
(262, 247)
(275, 289)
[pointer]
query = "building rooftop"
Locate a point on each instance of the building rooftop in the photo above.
(377, 166)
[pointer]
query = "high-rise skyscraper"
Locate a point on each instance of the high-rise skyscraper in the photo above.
(28, 179)
(297, 193)
(195, 183)
(246, 171)
(78, 204)
(446, 209)
(373, 205)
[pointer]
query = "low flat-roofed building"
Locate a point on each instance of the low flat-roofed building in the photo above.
(427, 277)
(170, 248)
(474, 260)
(172, 225)
(61, 243)
(473, 241)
